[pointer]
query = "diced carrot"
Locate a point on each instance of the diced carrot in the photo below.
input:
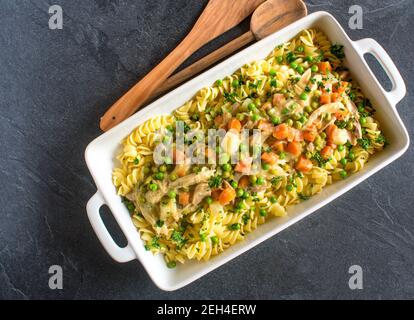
(331, 131)
(235, 125)
(181, 170)
(215, 194)
(335, 96)
(324, 67)
(327, 152)
(340, 87)
(184, 198)
(325, 98)
(309, 135)
(218, 120)
(227, 195)
(269, 157)
(267, 106)
(178, 156)
(279, 146)
(294, 147)
(304, 165)
(281, 131)
(264, 125)
(244, 182)
(244, 166)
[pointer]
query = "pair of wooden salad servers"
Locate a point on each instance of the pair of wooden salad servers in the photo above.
(218, 17)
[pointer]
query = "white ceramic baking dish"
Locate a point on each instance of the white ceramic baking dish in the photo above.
(100, 154)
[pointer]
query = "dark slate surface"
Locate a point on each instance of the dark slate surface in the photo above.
(54, 85)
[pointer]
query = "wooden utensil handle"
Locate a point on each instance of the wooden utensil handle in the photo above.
(138, 94)
(204, 63)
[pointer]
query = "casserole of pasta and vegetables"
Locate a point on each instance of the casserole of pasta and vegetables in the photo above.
(313, 125)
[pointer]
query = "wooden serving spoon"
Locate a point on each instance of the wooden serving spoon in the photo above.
(268, 18)
(218, 17)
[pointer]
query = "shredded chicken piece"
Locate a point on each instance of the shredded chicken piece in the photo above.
(154, 197)
(327, 108)
(201, 191)
(191, 179)
(302, 83)
(147, 210)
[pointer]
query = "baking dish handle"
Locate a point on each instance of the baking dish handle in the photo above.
(398, 90)
(117, 253)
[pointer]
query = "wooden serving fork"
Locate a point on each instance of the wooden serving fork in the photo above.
(218, 17)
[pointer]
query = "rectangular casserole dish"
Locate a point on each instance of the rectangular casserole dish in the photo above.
(100, 154)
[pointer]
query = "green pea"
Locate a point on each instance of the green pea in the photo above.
(265, 166)
(323, 135)
(251, 106)
(159, 176)
(314, 105)
(209, 200)
(162, 168)
(308, 155)
(289, 122)
(276, 120)
(234, 184)
(243, 147)
(343, 161)
(350, 126)
(235, 83)
(296, 116)
(351, 155)
(255, 117)
(219, 82)
(263, 212)
(300, 69)
(226, 174)
(303, 96)
(308, 109)
(289, 187)
(343, 174)
(240, 116)
(146, 170)
(226, 167)
(240, 192)
(293, 65)
(309, 58)
(300, 49)
(297, 125)
(253, 179)
(314, 68)
(279, 59)
(260, 181)
(362, 120)
(173, 177)
(273, 199)
(153, 187)
(224, 158)
(341, 147)
(171, 264)
(302, 119)
(273, 83)
(172, 194)
(272, 72)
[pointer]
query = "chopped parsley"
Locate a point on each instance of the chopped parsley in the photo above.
(229, 97)
(276, 180)
(215, 182)
(303, 197)
(234, 226)
(364, 143)
(341, 123)
(159, 223)
(319, 159)
(129, 204)
(245, 218)
(154, 243)
(338, 51)
(178, 238)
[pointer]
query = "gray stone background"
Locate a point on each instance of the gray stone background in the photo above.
(54, 85)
